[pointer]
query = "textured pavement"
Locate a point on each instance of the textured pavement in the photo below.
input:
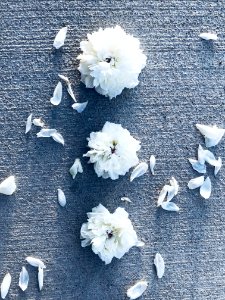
(182, 84)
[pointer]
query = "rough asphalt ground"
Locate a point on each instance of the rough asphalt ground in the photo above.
(182, 84)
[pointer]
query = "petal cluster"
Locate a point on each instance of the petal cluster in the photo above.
(111, 61)
(113, 151)
(109, 234)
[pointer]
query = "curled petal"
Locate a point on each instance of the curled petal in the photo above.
(61, 198)
(218, 166)
(212, 134)
(29, 123)
(152, 162)
(159, 265)
(76, 168)
(35, 262)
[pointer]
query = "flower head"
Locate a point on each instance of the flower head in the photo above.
(111, 235)
(113, 151)
(111, 61)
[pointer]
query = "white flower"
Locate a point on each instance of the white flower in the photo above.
(111, 61)
(111, 235)
(113, 151)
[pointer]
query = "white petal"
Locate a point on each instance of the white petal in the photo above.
(79, 107)
(61, 198)
(196, 182)
(126, 199)
(160, 265)
(35, 262)
(57, 95)
(29, 123)
(46, 132)
(76, 167)
(139, 170)
(24, 279)
(162, 194)
(205, 189)
(60, 38)
(201, 155)
(212, 134)
(137, 290)
(171, 192)
(197, 166)
(152, 162)
(208, 36)
(218, 166)
(140, 244)
(6, 282)
(40, 277)
(58, 138)
(170, 206)
(8, 186)
(38, 122)
(70, 91)
(64, 78)
(175, 184)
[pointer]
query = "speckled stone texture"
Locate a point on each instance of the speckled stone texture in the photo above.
(182, 84)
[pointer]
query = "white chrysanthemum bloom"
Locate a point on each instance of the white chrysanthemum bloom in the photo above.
(113, 151)
(111, 61)
(110, 235)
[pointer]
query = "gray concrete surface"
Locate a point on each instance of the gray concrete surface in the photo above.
(182, 84)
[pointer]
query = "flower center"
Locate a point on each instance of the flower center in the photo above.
(108, 59)
(109, 234)
(113, 148)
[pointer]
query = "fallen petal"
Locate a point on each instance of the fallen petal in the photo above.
(162, 195)
(76, 167)
(24, 279)
(218, 166)
(38, 122)
(6, 282)
(46, 132)
(29, 123)
(196, 182)
(57, 95)
(79, 107)
(137, 290)
(35, 262)
(205, 189)
(201, 155)
(64, 78)
(61, 198)
(171, 193)
(139, 170)
(40, 277)
(58, 138)
(152, 162)
(212, 134)
(170, 206)
(70, 91)
(140, 244)
(8, 186)
(126, 199)
(208, 36)
(60, 38)
(197, 166)
(160, 265)
(174, 184)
